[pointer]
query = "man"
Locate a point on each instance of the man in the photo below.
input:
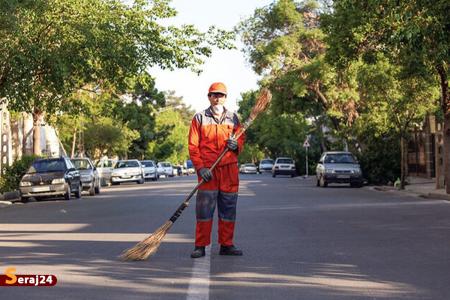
(211, 131)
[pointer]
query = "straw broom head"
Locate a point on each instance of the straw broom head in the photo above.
(262, 103)
(147, 247)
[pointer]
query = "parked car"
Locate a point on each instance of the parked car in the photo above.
(150, 171)
(51, 177)
(265, 165)
(189, 166)
(89, 175)
(283, 166)
(248, 168)
(104, 169)
(168, 169)
(129, 170)
(338, 167)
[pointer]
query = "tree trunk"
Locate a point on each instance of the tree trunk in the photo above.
(446, 132)
(74, 142)
(403, 161)
(37, 114)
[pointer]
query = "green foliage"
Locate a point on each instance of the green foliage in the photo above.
(171, 142)
(13, 174)
(108, 137)
(51, 48)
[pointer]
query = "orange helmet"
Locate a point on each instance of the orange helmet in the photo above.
(218, 87)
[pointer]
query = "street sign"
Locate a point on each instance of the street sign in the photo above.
(306, 144)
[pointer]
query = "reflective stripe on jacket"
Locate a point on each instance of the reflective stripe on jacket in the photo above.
(208, 135)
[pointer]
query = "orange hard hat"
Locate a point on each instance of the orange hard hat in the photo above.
(218, 87)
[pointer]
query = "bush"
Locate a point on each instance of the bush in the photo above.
(13, 174)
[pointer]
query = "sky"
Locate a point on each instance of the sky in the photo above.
(227, 66)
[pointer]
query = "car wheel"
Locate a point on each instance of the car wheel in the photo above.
(68, 193)
(323, 182)
(97, 188)
(141, 181)
(78, 192)
(92, 189)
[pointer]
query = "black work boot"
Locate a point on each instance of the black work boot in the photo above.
(199, 251)
(230, 250)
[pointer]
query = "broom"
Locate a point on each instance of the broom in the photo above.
(147, 247)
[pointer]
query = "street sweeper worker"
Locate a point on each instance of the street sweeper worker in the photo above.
(210, 132)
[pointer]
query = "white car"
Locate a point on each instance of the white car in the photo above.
(167, 167)
(150, 171)
(127, 171)
(265, 165)
(284, 166)
(248, 169)
(104, 168)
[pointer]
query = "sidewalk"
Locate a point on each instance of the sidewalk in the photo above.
(423, 187)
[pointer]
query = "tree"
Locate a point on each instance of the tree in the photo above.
(285, 44)
(52, 48)
(412, 34)
(171, 141)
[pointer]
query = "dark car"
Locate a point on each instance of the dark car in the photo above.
(51, 177)
(338, 167)
(90, 179)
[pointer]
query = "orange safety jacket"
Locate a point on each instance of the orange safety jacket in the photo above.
(208, 135)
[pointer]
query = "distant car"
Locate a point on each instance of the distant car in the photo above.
(284, 166)
(104, 169)
(248, 169)
(179, 170)
(265, 165)
(338, 167)
(89, 175)
(150, 171)
(51, 177)
(168, 168)
(189, 166)
(127, 171)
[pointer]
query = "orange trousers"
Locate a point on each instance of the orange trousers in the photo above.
(222, 191)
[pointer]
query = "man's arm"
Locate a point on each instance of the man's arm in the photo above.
(194, 143)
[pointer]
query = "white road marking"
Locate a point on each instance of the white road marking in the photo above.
(199, 283)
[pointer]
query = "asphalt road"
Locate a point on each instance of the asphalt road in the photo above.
(299, 242)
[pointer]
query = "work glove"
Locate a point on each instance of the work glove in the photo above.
(232, 144)
(206, 174)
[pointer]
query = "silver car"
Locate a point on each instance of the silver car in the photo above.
(248, 169)
(89, 175)
(127, 171)
(338, 167)
(150, 171)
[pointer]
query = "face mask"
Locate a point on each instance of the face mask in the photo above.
(217, 109)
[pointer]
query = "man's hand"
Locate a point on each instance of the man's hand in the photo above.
(232, 144)
(206, 174)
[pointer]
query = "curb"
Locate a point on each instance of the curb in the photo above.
(407, 192)
(437, 196)
(5, 203)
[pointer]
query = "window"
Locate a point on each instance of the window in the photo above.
(47, 165)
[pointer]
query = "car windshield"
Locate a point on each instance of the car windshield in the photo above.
(81, 164)
(267, 161)
(127, 164)
(285, 161)
(47, 165)
(165, 165)
(250, 165)
(147, 163)
(340, 159)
